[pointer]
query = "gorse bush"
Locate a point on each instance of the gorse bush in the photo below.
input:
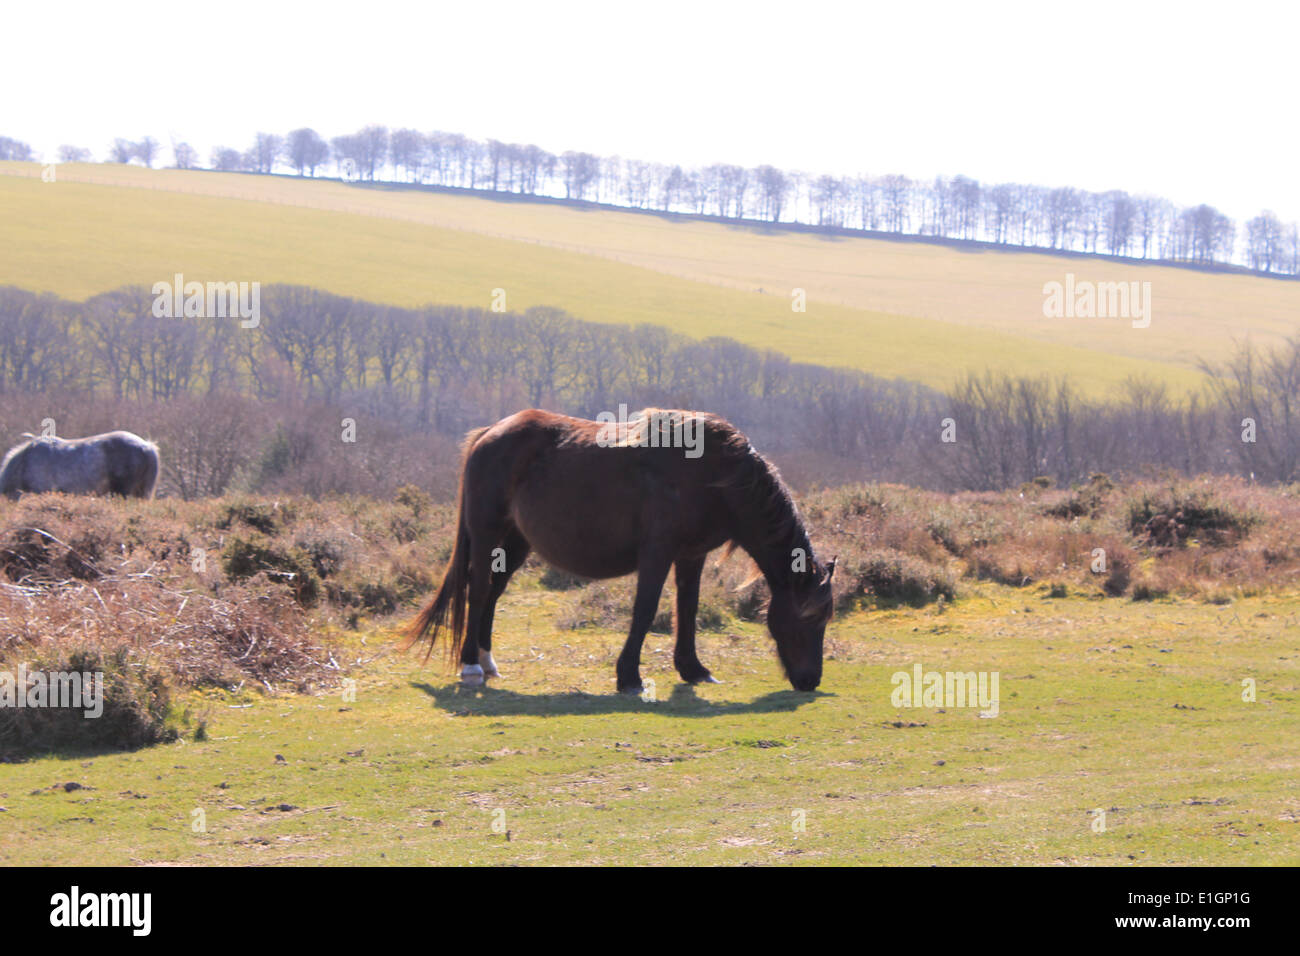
(243, 558)
(890, 577)
(260, 516)
(553, 579)
(1246, 538)
(1084, 501)
(147, 640)
(1169, 518)
(131, 703)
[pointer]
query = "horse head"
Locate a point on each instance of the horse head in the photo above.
(796, 617)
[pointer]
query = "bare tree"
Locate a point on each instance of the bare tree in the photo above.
(896, 192)
(1262, 391)
(74, 154)
(828, 193)
(35, 334)
(367, 150)
(1203, 234)
(147, 151)
(1061, 216)
(225, 159)
(408, 153)
(773, 189)
(638, 184)
(1264, 242)
(122, 151)
(184, 156)
(12, 149)
(967, 197)
(580, 172)
(306, 151)
(866, 198)
(1121, 216)
(1001, 208)
(264, 153)
(1153, 215)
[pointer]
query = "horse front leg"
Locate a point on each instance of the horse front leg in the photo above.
(688, 572)
(652, 571)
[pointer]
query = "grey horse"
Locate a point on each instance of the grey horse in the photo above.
(114, 463)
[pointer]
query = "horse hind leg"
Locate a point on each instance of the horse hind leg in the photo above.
(486, 518)
(486, 550)
(513, 552)
(480, 583)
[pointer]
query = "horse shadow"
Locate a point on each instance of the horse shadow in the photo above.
(490, 701)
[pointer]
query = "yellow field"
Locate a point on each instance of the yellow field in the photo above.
(903, 309)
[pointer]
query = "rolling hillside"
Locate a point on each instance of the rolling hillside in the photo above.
(902, 309)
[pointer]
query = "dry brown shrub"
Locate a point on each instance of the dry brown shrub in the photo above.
(249, 633)
(1223, 536)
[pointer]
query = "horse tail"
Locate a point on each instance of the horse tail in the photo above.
(453, 592)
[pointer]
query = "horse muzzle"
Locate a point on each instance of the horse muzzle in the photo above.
(805, 682)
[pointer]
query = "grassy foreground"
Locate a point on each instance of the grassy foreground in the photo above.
(1134, 708)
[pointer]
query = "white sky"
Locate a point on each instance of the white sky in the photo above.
(1192, 101)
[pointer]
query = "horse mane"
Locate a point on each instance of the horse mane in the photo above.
(755, 485)
(751, 483)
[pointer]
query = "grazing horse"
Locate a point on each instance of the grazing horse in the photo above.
(115, 463)
(601, 500)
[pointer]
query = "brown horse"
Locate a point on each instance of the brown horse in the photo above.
(603, 499)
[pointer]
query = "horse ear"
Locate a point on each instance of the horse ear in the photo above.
(830, 568)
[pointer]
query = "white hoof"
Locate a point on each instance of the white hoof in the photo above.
(488, 664)
(471, 674)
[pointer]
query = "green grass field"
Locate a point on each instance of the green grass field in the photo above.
(899, 309)
(1127, 707)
